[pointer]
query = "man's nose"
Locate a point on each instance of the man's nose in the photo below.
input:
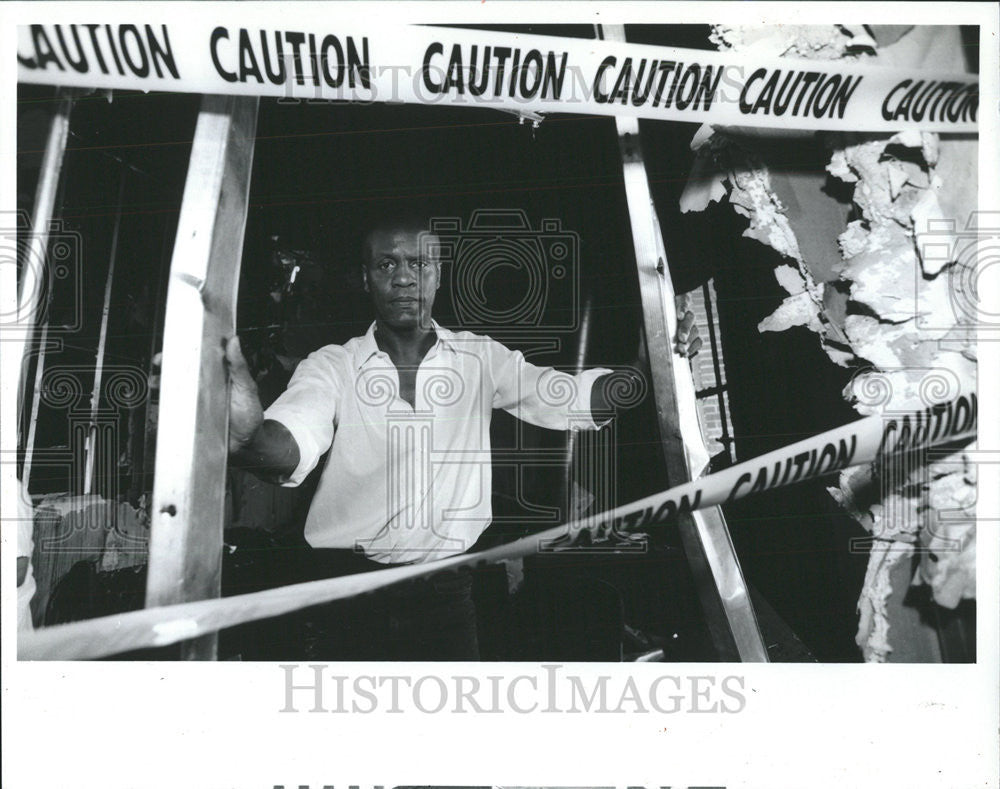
(404, 276)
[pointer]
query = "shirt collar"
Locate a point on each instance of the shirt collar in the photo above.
(367, 347)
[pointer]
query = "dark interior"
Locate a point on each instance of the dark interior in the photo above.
(320, 170)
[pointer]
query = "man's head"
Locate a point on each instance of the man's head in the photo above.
(402, 271)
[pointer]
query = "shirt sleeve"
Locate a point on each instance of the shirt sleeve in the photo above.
(25, 547)
(308, 408)
(542, 396)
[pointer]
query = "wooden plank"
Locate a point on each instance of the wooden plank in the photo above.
(582, 348)
(192, 439)
(95, 396)
(718, 577)
(36, 271)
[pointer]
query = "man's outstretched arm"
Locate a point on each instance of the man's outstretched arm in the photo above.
(264, 447)
(688, 343)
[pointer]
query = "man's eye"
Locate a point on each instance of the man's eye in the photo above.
(386, 263)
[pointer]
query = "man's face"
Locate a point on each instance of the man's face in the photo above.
(402, 276)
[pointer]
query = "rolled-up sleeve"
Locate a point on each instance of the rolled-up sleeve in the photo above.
(542, 396)
(308, 407)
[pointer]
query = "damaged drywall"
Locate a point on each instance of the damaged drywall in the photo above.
(894, 306)
(69, 529)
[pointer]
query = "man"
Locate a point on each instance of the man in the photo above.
(405, 413)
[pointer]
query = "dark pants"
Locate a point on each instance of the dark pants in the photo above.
(430, 618)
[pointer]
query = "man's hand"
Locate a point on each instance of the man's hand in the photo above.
(687, 344)
(245, 413)
(264, 447)
(688, 340)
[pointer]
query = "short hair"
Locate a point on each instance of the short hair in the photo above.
(407, 213)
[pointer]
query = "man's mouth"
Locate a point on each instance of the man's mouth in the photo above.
(405, 300)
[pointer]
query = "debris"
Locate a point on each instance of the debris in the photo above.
(903, 319)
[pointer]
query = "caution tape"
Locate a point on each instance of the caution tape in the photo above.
(241, 52)
(864, 441)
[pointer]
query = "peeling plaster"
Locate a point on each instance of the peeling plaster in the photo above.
(904, 331)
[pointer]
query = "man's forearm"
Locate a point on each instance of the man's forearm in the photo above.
(271, 454)
(687, 344)
(603, 403)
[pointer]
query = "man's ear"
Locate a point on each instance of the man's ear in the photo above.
(364, 277)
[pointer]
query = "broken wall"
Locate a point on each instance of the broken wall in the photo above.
(70, 529)
(863, 274)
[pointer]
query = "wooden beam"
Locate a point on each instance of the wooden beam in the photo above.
(730, 617)
(102, 339)
(185, 560)
(35, 271)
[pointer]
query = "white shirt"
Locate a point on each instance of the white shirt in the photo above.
(25, 547)
(408, 484)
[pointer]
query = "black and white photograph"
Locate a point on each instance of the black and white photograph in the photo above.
(504, 375)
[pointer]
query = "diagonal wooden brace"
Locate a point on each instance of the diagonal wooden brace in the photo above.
(725, 600)
(185, 559)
